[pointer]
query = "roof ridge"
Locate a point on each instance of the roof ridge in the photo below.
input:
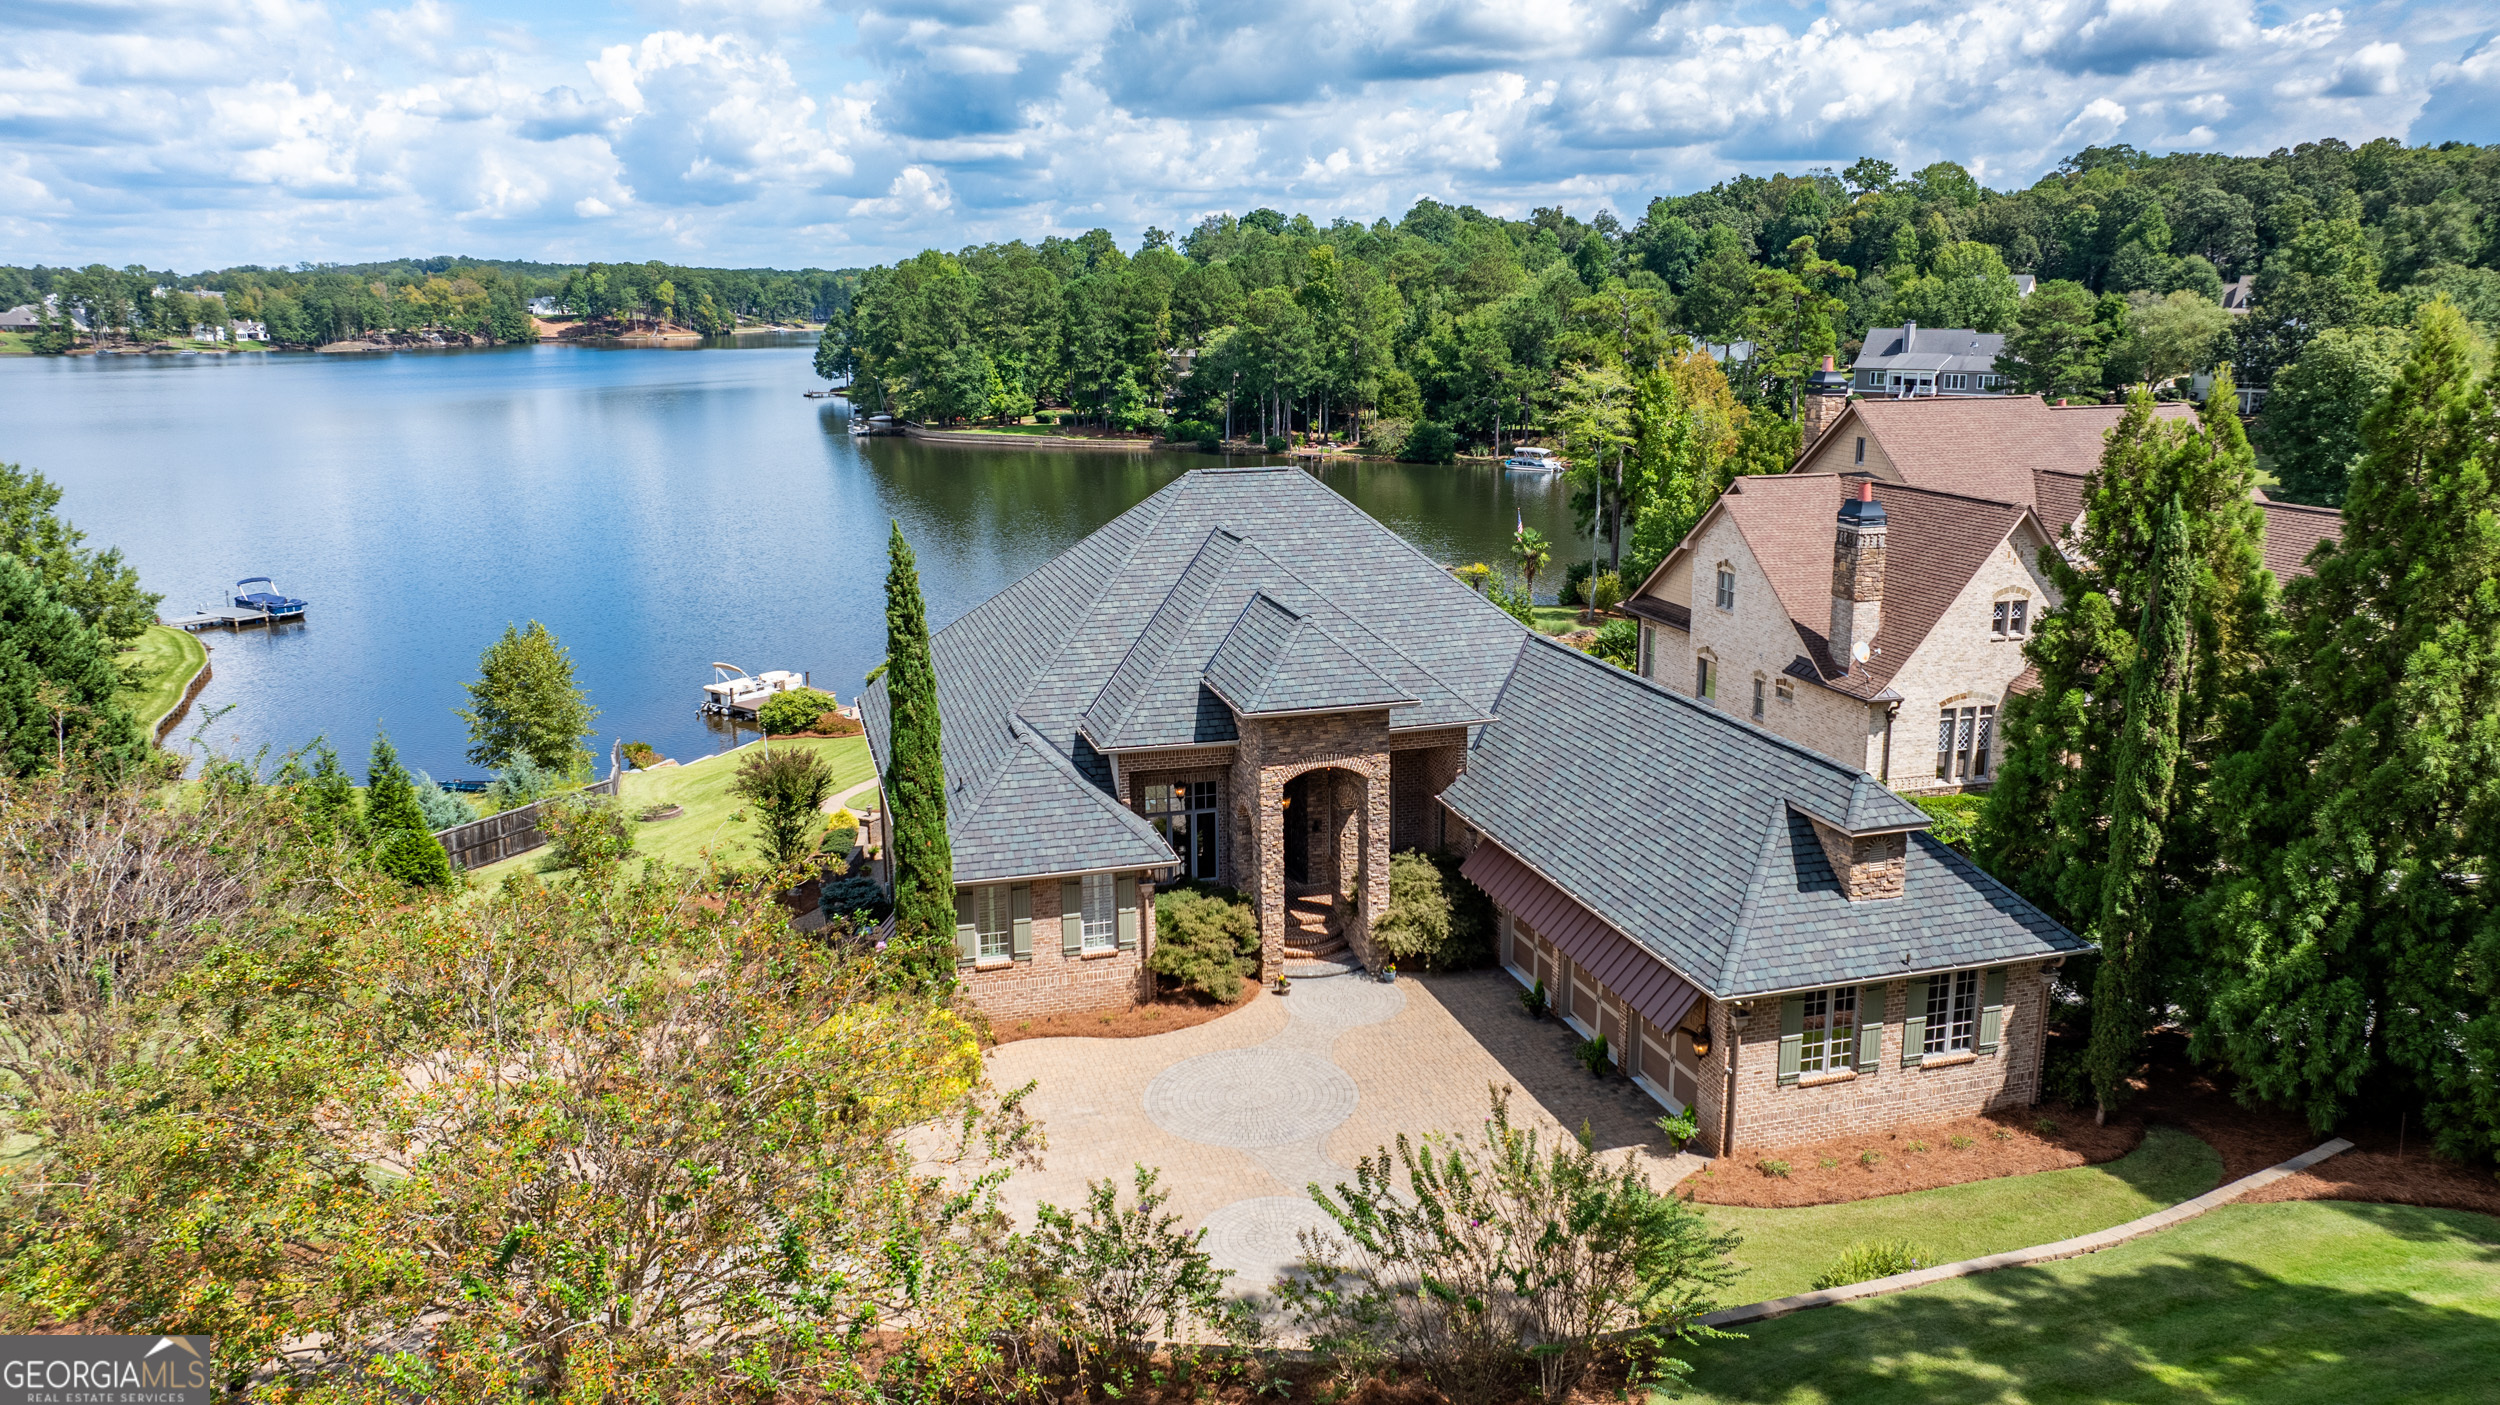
(1171, 612)
(1367, 631)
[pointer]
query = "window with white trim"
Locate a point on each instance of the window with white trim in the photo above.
(1952, 380)
(1963, 735)
(1757, 699)
(2011, 618)
(994, 918)
(1727, 587)
(1831, 1031)
(1101, 912)
(1952, 1013)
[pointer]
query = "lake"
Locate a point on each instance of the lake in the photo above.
(657, 509)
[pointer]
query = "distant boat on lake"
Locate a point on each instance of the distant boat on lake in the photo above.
(1533, 460)
(267, 600)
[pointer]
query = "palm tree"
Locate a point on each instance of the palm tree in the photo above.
(1529, 548)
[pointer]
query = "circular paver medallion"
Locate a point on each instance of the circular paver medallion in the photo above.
(1250, 1097)
(1259, 1239)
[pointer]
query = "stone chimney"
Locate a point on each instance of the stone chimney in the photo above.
(1857, 578)
(1826, 391)
(1870, 867)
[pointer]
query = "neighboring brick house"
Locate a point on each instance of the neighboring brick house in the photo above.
(1181, 692)
(1859, 618)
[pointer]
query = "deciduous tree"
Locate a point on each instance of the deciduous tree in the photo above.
(525, 702)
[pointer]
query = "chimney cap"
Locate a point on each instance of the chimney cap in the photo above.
(1860, 509)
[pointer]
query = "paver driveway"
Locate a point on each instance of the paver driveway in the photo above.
(1242, 1113)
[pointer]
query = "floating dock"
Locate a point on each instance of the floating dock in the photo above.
(230, 619)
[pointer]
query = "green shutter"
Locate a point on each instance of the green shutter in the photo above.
(1991, 1008)
(1072, 917)
(1870, 1027)
(1914, 1025)
(967, 936)
(1792, 1036)
(1128, 912)
(1023, 938)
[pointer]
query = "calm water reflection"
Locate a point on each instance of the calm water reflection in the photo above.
(657, 509)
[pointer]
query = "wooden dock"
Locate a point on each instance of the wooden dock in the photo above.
(229, 619)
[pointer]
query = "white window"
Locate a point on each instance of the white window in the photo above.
(1951, 380)
(2011, 619)
(1962, 740)
(1952, 1013)
(993, 916)
(1102, 914)
(1727, 588)
(1831, 1031)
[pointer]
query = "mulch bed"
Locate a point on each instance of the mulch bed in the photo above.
(1167, 1012)
(2011, 1143)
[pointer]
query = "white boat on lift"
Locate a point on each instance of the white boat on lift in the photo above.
(733, 692)
(1530, 459)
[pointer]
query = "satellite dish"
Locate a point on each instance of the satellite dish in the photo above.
(1857, 651)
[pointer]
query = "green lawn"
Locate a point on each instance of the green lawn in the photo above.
(1558, 619)
(168, 659)
(2301, 1302)
(1785, 1249)
(703, 788)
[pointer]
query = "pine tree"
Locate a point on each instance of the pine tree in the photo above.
(915, 782)
(2356, 945)
(331, 808)
(403, 845)
(2147, 764)
(58, 686)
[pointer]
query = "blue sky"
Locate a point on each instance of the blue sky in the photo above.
(200, 133)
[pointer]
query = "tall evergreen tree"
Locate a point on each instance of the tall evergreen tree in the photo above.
(2146, 766)
(57, 683)
(2356, 943)
(915, 781)
(2061, 739)
(404, 845)
(328, 801)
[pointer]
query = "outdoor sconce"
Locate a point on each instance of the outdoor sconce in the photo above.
(1701, 1045)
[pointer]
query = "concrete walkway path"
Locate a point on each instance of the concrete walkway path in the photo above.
(1241, 1114)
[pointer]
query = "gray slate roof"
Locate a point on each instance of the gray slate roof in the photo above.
(1275, 660)
(1107, 647)
(1915, 348)
(1686, 829)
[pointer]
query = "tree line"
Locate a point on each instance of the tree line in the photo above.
(1262, 324)
(313, 304)
(2276, 811)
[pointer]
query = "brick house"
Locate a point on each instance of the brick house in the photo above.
(1247, 680)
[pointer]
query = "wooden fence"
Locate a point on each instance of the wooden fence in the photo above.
(481, 842)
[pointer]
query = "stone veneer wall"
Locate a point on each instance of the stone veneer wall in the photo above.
(1769, 1116)
(1421, 766)
(1273, 751)
(1053, 983)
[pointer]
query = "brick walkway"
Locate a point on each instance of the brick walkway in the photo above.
(1240, 1114)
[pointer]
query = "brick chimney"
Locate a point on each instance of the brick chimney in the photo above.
(1826, 391)
(1869, 867)
(1857, 578)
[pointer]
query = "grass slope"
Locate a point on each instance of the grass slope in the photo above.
(168, 660)
(703, 788)
(2299, 1302)
(1785, 1249)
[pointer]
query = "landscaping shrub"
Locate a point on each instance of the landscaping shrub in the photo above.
(1477, 1260)
(518, 783)
(1429, 442)
(835, 724)
(1190, 431)
(852, 896)
(1604, 591)
(1574, 581)
(1680, 1129)
(1594, 1056)
(1206, 938)
(1871, 1259)
(1956, 818)
(1277, 443)
(1436, 920)
(1618, 642)
(1116, 1275)
(788, 788)
(1514, 601)
(642, 756)
(1535, 1001)
(793, 711)
(584, 831)
(443, 810)
(1776, 1170)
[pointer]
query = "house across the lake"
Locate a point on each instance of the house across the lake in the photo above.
(1246, 680)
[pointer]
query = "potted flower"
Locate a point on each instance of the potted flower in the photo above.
(1389, 973)
(1534, 1002)
(1284, 983)
(1680, 1129)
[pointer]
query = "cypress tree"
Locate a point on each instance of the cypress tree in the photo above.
(2356, 945)
(403, 845)
(2146, 765)
(915, 782)
(58, 684)
(2046, 828)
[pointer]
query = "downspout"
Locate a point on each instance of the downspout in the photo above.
(1727, 1101)
(1891, 711)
